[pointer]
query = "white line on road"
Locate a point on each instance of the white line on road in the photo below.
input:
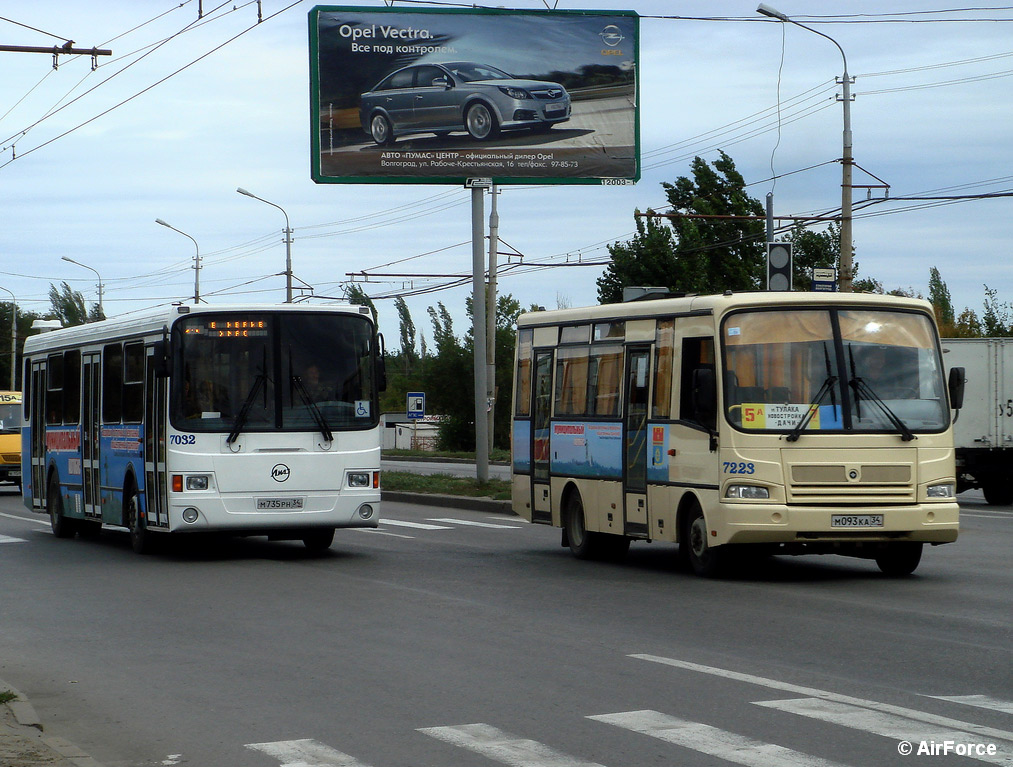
(979, 701)
(8, 539)
(43, 522)
(306, 753)
(468, 522)
(880, 723)
(503, 747)
(942, 721)
(375, 531)
(729, 746)
(416, 525)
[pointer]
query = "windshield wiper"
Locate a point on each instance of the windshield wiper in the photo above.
(318, 417)
(828, 385)
(862, 388)
(244, 411)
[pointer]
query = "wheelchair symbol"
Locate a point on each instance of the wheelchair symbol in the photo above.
(362, 408)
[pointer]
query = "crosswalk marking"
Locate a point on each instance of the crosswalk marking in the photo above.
(415, 525)
(377, 531)
(503, 747)
(469, 523)
(879, 723)
(729, 746)
(978, 701)
(306, 753)
(9, 539)
(795, 689)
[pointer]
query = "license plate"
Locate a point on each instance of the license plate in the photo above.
(856, 520)
(279, 504)
(551, 109)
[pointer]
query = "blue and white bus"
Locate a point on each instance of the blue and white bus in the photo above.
(251, 419)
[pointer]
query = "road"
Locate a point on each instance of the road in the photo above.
(457, 638)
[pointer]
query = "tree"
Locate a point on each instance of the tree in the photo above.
(356, 295)
(694, 255)
(449, 383)
(69, 308)
(996, 320)
(407, 328)
(939, 295)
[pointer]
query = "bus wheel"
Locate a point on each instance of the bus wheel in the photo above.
(319, 540)
(583, 544)
(704, 559)
(898, 559)
(62, 527)
(140, 538)
(997, 492)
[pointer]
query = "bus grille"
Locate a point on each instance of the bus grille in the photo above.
(852, 483)
(10, 457)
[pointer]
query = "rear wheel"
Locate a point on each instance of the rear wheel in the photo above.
(381, 131)
(62, 527)
(898, 559)
(319, 540)
(583, 544)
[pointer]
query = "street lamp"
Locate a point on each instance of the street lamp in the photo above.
(196, 259)
(288, 243)
(14, 334)
(101, 310)
(846, 160)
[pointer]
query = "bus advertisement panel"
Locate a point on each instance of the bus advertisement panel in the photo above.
(428, 95)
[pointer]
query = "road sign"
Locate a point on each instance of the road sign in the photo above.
(824, 280)
(416, 404)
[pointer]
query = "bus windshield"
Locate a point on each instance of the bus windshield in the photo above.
(263, 371)
(10, 418)
(792, 371)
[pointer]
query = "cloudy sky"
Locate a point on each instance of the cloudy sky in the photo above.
(186, 110)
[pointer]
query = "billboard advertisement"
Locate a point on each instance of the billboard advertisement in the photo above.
(428, 96)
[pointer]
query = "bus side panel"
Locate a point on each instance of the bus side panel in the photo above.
(602, 499)
(27, 491)
(63, 454)
(588, 449)
(520, 487)
(121, 454)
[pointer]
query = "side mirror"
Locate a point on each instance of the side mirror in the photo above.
(160, 351)
(956, 386)
(441, 82)
(704, 395)
(381, 364)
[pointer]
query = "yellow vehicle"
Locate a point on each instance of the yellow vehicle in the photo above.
(10, 437)
(788, 423)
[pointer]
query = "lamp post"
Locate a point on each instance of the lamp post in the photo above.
(14, 334)
(196, 259)
(847, 159)
(288, 242)
(101, 310)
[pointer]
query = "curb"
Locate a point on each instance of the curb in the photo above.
(64, 752)
(449, 501)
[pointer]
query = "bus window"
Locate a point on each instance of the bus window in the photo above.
(54, 390)
(663, 360)
(522, 384)
(571, 381)
(697, 354)
(112, 383)
(606, 378)
(72, 387)
(133, 382)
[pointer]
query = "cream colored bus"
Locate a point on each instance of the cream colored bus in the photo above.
(788, 423)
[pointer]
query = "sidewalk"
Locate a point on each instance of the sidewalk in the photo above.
(23, 743)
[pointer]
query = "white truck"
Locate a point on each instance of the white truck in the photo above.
(983, 432)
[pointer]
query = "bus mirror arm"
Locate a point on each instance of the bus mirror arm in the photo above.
(956, 387)
(161, 354)
(705, 401)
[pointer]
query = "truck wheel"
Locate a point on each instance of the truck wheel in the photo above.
(898, 559)
(998, 492)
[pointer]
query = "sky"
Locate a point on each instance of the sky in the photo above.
(186, 110)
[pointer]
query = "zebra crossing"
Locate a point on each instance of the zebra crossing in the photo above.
(904, 731)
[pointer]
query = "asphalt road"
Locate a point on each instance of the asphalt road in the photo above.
(456, 638)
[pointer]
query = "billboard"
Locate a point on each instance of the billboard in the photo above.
(439, 96)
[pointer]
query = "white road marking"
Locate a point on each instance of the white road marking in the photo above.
(8, 539)
(376, 531)
(468, 522)
(794, 689)
(306, 753)
(729, 746)
(979, 701)
(416, 525)
(880, 723)
(503, 747)
(43, 522)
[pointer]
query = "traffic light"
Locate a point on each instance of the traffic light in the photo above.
(778, 266)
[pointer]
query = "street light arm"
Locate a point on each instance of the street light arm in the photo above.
(288, 241)
(765, 10)
(272, 204)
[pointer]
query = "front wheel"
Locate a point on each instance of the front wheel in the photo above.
(62, 527)
(705, 559)
(481, 122)
(140, 538)
(899, 559)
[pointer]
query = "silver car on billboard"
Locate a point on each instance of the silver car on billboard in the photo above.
(459, 96)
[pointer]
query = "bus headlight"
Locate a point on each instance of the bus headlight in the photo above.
(358, 479)
(197, 482)
(940, 491)
(750, 492)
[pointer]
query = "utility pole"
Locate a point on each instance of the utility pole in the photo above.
(490, 336)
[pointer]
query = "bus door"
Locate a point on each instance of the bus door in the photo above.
(155, 488)
(541, 428)
(91, 389)
(38, 434)
(635, 408)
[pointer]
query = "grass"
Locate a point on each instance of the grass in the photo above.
(444, 484)
(6, 696)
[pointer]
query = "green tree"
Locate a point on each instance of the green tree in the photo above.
(690, 254)
(407, 331)
(939, 295)
(995, 320)
(449, 383)
(356, 295)
(68, 306)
